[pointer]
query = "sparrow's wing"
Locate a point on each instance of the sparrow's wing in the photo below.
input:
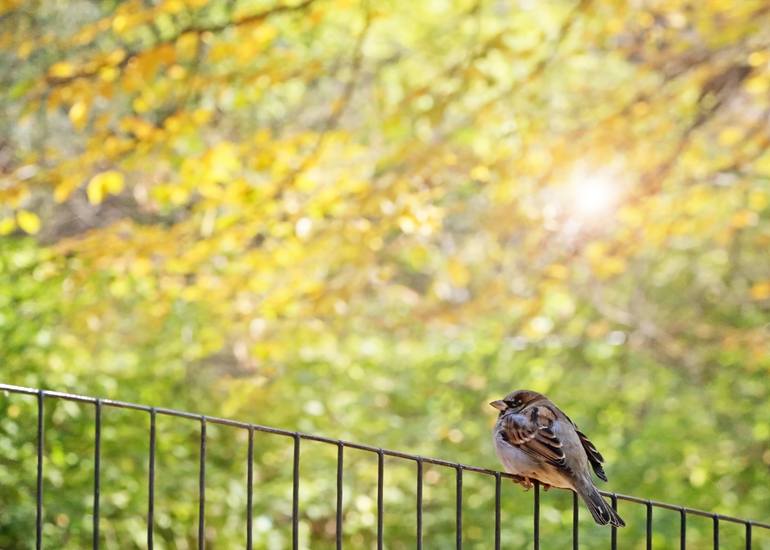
(594, 456)
(530, 430)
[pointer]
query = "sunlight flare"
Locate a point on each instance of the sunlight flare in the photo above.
(593, 196)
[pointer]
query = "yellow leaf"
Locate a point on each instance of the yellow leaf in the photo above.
(758, 85)
(25, 49)
(458, 273)
(65, 187)
(95, 193)
(78, 114)
(62, 69)
(744, 218)
(202, 116)
(28, 221)
(140, 105)
(730, 136)
(177, 72)
(758, 58)
(760, 291)
(103, 184)
(221, 162)
(758, 201)
(480, 173)
(305, 182)
(108, 74)
(7, 225)
(172, 6)
(141, 267)
(120, 23)
(178, 195)
(137, 126)
(116, 57)
(187, 45)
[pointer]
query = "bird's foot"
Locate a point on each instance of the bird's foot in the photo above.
(545, 486)
(526, 483)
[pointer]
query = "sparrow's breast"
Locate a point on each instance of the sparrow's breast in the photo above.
(518, 462)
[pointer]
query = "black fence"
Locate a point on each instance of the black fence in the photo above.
(297, 437)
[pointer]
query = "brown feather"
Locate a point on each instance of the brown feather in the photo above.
(531, 431)
(594, 456)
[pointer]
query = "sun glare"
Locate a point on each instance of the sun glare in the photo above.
(592, 196)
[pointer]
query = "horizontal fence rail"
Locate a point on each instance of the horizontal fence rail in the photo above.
(297, 437)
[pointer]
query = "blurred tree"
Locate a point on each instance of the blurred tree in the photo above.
(370, 218)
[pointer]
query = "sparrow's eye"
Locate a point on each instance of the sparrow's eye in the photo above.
(513, 404)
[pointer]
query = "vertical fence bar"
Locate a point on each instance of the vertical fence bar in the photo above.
(97, 468)
(537, 516)
(498, 488)
(39, 491)
(459, 508)
(151, 483)
(419, 504)
(250, 489)
(614, 530)
(340, 457)
(748, 535)
(295, 496)
(716, 532)
(575, 518)
(380, 508)
(202, 488)
(682, 529)
(649, 525)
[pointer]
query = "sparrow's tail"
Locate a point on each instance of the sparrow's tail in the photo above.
(601, 511)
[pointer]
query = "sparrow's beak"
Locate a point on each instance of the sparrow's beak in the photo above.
(499, 405)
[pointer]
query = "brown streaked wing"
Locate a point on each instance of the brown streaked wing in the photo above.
(531, 431)
(518, 431)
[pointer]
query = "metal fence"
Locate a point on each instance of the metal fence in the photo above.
(341, 445)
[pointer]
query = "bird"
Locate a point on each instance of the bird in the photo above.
(535, 440)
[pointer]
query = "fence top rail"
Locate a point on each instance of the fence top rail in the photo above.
(352, 445)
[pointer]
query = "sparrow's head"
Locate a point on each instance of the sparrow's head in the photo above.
(516, 400)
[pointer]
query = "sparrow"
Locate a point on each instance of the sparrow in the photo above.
(534, 439)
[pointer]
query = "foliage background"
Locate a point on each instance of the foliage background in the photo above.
(367, 220)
